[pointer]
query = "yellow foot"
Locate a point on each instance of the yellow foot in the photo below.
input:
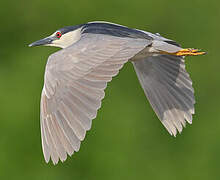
(189, 52)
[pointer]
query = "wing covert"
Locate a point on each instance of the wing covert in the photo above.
(74, 84)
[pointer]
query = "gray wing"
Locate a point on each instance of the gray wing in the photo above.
(169, 89)
(75, 79)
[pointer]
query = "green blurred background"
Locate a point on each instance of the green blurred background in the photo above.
(127, 141)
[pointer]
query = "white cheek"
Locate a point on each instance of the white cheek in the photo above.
(67, 39)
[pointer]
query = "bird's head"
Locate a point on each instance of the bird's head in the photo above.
(62, 38)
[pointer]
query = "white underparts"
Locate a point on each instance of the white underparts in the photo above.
(155, 49)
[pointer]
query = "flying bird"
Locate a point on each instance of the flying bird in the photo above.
(77, 75)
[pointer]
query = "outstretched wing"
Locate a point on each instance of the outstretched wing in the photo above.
(75, 80)
(169, 89)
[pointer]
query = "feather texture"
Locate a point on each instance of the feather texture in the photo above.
(75, 80)
(169, 89)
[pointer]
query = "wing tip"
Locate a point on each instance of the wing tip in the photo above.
(172, 129)
(55, 161)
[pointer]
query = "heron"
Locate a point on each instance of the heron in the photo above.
(91, 55)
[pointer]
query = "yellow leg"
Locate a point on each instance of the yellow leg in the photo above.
(188, 52)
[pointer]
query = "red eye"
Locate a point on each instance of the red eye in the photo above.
(58, 34)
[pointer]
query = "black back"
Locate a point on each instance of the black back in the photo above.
(113, 30)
